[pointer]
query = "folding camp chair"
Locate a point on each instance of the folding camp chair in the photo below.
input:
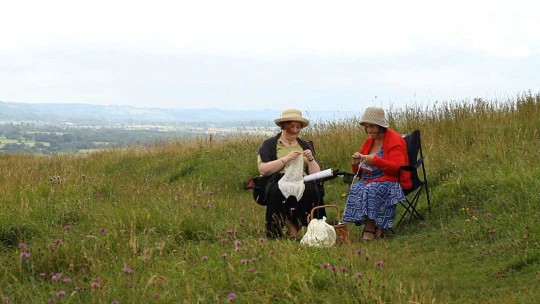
(416, 161)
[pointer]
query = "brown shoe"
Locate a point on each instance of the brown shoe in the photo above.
(379, 233)
(368, 235)
(292, 229)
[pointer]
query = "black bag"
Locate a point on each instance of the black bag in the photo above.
(258, 185)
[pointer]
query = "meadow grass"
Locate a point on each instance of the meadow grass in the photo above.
(171, 223)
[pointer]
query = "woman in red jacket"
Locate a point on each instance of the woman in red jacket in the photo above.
(373, 200)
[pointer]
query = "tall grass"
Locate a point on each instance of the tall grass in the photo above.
(171, 223)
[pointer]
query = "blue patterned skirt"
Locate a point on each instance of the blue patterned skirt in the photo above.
(377, 200)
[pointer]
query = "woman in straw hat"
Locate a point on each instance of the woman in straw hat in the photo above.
(283, 153)
(373, 200)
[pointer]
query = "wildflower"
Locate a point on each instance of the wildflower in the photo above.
(359, 251)
(230, 231)
(334, 268)
(58, 241)
(343, 269)
(262, 240)
(42, 274)
(378, 263)
(128, 270)
(253, 259)
(367, 257)
(67, 227)
(244, 261)
(231, 297)
(224, 241)
(25, 255)
(489, 214)
(237, 242)
(55, 277)
(325, 265)
(359, 275)
(22, 246)
(61, 293)
(94, 285)
(224, 255)
(103, 230)
(67, 280)
(205, 258)
(115, 302)
(5, 299)
(237, 249)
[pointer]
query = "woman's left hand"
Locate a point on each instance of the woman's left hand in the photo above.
(368, 158)
(308, 154)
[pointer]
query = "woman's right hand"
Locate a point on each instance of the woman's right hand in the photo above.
(356, 158)
(292, 156)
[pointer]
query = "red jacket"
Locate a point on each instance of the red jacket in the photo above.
(394, 156)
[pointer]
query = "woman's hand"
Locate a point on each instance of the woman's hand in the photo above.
(368, 158)
(356, 158)
(292, 156)
(308, 155)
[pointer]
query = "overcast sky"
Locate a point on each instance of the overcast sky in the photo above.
(313, 55)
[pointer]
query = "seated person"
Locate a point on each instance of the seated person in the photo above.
(286, 158)
(373, 200)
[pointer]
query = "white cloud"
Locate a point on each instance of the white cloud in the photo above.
(266, 53)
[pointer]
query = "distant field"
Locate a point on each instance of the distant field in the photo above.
(4, 141)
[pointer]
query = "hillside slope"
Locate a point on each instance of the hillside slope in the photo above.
(171, 223)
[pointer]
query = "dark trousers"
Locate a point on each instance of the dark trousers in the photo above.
(279, 208)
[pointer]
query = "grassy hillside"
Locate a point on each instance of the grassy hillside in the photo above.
(171, 223)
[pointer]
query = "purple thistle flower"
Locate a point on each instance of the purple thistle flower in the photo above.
(55, 277)
(205, 258)
(325, 265)
(94, 285)
(253, 259)
(334, 268)
(378, 263)
(58, 241)
(359, 275)
(244, 261)
(103, 230)
(237, 242)
(67, 280)
(61, 293)
(22, 246)
(224, 255)
(237, 249)
(128, 270)
(489, 214)
(67, 227)
(367, 257)
(25, 255)
(343, 269)
(231, 297)
(262, 240)
(359, 251)
(231, 231)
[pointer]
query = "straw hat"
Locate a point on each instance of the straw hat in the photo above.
(292, 115)
(374, 115)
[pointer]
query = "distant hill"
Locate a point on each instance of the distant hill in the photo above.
(99, 114)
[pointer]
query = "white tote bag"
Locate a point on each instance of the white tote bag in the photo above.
(319, 234)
